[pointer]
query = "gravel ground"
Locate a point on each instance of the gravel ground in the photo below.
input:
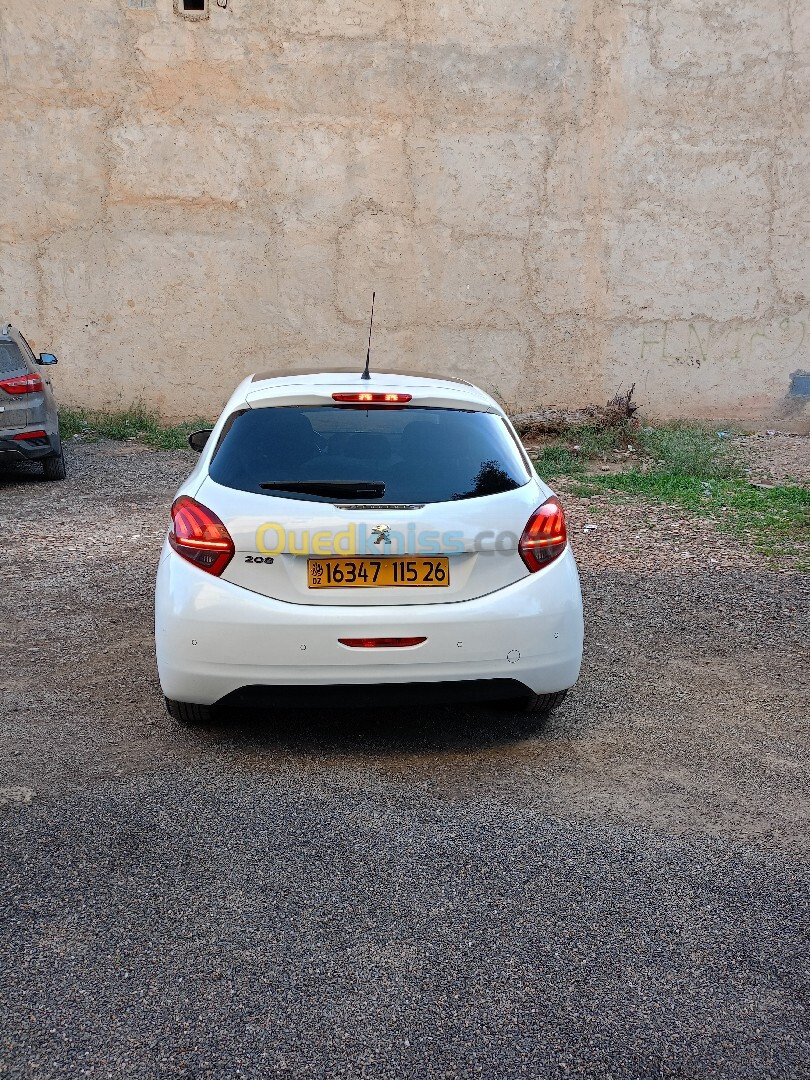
(621, 893)
(778, 458)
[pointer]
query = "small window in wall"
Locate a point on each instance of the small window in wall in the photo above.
(191, 9)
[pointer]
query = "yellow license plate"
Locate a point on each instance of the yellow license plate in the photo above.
(369, 573)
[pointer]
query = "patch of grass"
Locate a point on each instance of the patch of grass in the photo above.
(582, 490)
(688, 466)
(136, 423)
(776, 521)
(558, 461)
(581, 444)
(658, 485)
(690, 450)
(675, 449)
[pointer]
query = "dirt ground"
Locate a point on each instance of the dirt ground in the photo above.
(621, 892)
(778, 458)
(682, 622)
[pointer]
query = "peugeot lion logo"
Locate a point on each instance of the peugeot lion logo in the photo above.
(382, 532)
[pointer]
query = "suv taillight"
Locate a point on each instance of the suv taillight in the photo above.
(199, 536)
(544, 537)
(22, 384)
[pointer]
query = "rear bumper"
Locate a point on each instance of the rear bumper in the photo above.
(375, 695)
(213, 638)
(16, 450)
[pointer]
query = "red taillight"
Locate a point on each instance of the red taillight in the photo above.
(31, 435)
(22, 384)
(544, 537)
(367, 398)
(380, 642)
(199, 536)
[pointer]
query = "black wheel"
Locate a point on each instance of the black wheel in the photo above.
(186, 712)
(54, 467)
(538, 705)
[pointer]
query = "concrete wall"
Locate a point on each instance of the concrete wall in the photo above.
(554, 198)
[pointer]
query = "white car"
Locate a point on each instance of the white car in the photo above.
(351, 540)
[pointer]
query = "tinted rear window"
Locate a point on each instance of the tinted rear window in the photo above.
(420, 455)
(11, 358)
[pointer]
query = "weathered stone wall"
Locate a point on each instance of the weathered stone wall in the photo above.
(554, 198)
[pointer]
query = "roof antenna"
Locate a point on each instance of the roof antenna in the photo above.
(365, 374)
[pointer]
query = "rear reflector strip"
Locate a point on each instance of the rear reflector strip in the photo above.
(366, 398)
(31, 435)
(380, 642)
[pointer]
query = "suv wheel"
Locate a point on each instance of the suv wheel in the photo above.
(54, 467)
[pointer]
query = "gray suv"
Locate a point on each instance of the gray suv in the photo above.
(29, 425)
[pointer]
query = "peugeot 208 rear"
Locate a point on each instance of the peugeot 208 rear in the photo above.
(354, 540)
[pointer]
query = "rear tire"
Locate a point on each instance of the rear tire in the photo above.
(536, 705)
(54, 467)
(187, 713)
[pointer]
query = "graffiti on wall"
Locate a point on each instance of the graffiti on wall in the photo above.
(702, 342)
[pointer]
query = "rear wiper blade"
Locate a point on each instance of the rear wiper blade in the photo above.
(359, 490)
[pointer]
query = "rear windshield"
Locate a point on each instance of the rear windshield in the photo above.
(11, 358)
(388, 455)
